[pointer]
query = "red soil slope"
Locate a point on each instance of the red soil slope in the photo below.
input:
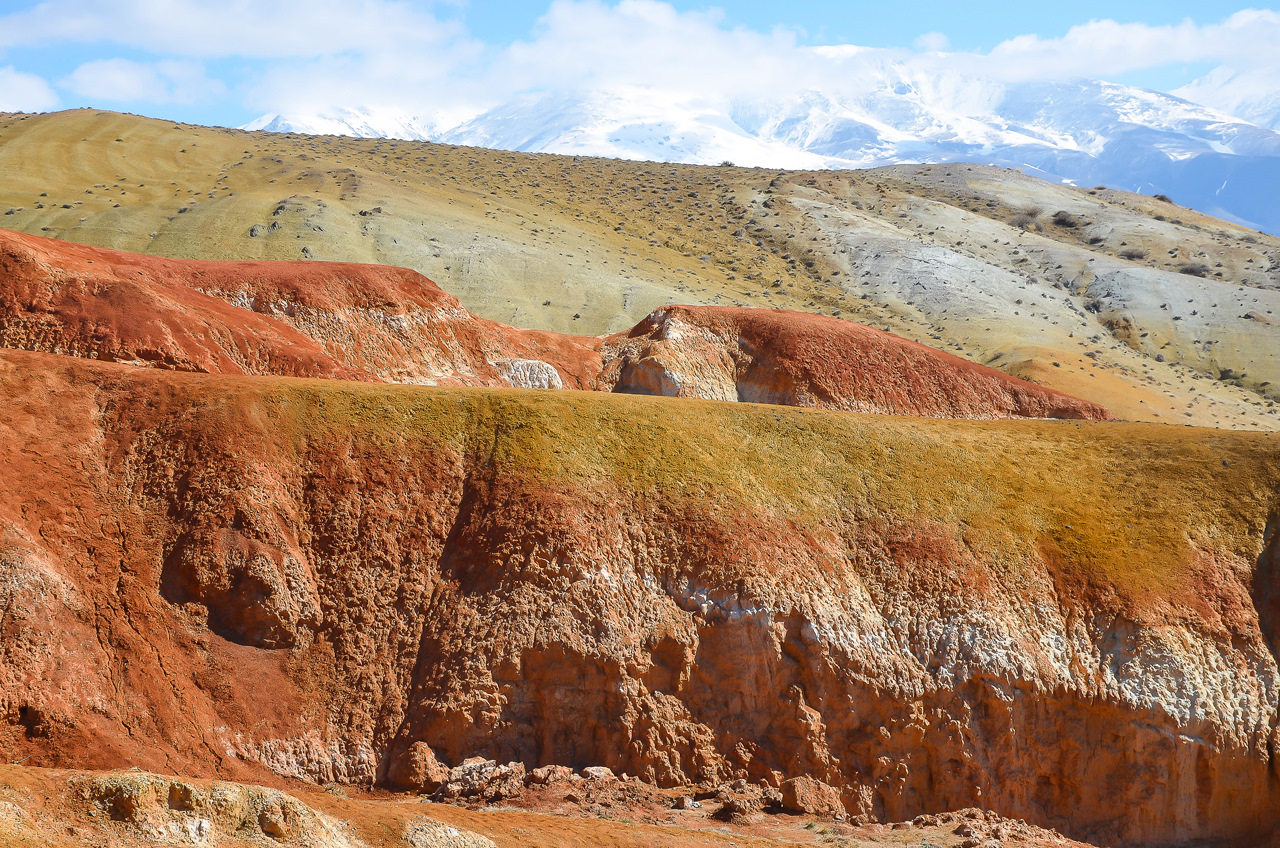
(371, 322)
(348, 582)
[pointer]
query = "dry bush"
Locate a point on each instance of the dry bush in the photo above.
(1027, 218)
(1063, 218)
(1133, 253)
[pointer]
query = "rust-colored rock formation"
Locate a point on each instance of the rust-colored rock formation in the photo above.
(798, 359)
(221, 575)
(331, 319)
(369, 322)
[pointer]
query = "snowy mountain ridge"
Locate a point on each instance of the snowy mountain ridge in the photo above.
(1084, 132)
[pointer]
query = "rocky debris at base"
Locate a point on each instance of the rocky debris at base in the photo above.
(483, 779)
(802, 802)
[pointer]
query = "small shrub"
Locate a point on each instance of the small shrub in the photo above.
(1026, 221)
(1195, 269)
(1133, 253)
(1163, 197)
(1063, 218)
(1095, 239)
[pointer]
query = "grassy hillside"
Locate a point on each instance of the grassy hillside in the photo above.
(1153, 310)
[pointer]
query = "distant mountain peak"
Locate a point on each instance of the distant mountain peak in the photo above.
(1083, 132)
(354, 122)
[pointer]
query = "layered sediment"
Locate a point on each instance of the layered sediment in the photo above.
(1066, 622)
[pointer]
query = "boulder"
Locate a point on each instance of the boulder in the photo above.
(417, 770)
(806, 796)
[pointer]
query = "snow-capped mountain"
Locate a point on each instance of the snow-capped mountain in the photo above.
(1252, 95)
(354, 122)
(1084, 132)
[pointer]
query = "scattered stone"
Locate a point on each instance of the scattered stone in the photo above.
(598, 773)
(426, 833)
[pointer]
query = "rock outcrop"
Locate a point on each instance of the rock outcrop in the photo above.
(797, 359)
(368, 322)
(175, 811)
(1070, 623)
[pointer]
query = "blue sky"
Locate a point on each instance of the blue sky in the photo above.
(973, 25)
(229, 61)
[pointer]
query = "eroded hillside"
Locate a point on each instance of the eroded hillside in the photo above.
(370, 322)
(1066, 622)
(1149, 309)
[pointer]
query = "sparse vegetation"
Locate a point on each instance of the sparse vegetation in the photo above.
(1194, 269)
(1133, 254)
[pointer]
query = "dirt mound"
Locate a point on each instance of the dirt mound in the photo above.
(798, 359)
(350, 582)
(368, 322)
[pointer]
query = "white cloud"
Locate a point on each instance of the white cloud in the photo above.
(20, 92)
(250, 28)
(934, 42)
(1103, 48)
(125, 81)
(580, 43)
(309, 55)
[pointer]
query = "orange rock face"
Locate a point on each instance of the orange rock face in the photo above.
(351, 582)
(369, 322)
